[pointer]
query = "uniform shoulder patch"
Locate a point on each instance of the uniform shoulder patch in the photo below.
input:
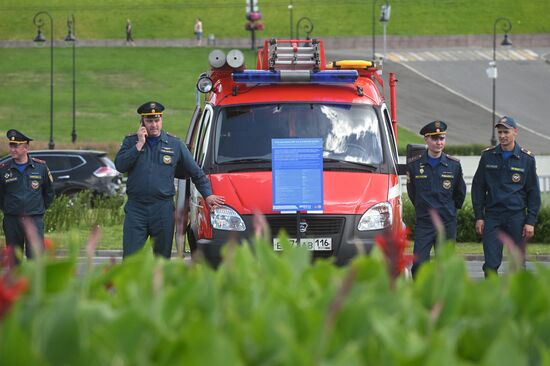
(38, 161)
(525, 151)
(412, 159)
(488, 149)
(454, 158)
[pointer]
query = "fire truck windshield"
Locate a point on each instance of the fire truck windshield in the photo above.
(350, 132)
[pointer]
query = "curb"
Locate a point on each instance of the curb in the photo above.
(468, 257)
(331, 42)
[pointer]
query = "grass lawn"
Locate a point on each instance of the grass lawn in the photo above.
(105, 19)
(111, 83)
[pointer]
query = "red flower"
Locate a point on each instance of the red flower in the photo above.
(7, 258)
(10, 288)
(393, 244)
(10, 292)
(49, 244)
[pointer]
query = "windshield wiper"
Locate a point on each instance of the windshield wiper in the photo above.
(369, 167)
(246, 160)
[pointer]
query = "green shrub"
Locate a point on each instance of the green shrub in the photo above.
(542, 228)
(82, 210)
(466, 223)
(459, 150)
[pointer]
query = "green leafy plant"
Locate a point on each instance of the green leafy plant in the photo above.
(263, 307)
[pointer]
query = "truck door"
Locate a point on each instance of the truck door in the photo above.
(182, 194)
(199, 145)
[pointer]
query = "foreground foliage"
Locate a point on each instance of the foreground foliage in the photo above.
(265, 308)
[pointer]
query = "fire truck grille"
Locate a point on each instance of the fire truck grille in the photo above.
(316, 225)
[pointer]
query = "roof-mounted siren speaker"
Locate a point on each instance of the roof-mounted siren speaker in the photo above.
(235, 59)
(216, 59)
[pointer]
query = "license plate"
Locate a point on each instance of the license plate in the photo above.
(308, 243)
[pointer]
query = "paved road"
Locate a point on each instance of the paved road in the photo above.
(451, 84)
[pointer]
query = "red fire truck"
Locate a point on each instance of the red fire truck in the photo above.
(293, 93)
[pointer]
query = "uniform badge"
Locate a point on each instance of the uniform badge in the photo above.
(35, 184)
(447, 184)
(437, 124)
(421, 170)
(167, 159)
(7, 175)
(516, 177)
(50, 176)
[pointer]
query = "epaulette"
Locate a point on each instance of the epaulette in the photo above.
(527, 152)
(488, 149)
(169, 134)
(38, 160)
(131, 134)
(453, 158)
(412, 159)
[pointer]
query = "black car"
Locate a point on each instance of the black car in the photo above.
(78, 170)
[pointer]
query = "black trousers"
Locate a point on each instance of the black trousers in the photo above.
(19, 232)
(144, 220)
(426, 238)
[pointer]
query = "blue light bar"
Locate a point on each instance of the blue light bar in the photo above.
(295, 76)
(256, 76)
(334, 76)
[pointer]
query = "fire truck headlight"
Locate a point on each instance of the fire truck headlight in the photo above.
(204, 84)
(225, 218)
(377, 217)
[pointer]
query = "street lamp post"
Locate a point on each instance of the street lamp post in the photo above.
(385, 11)
(373, 31)
(492, 71)
(307, 27)
(39, 22)
(290, 7)
(71, 28)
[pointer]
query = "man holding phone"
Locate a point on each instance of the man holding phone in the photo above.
(151, 158)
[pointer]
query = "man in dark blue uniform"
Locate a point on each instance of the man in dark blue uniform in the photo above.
(505, 194)
(152, 157)
(434, 182)
(25, 194)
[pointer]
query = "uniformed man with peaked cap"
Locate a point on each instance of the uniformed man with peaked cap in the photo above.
(434, 182)
(152, 158)
(25, 194)
(505, 194)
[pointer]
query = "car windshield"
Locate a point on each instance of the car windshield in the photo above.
(350, 132)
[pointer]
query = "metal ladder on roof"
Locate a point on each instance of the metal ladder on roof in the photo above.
(294, 55)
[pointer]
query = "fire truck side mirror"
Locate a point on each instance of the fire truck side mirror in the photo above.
(415, 149)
